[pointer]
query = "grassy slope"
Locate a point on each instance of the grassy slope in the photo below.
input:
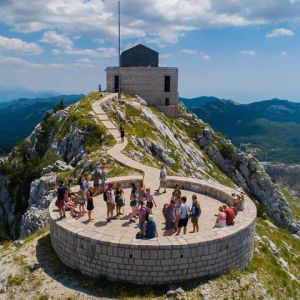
(272, 131)
(141, 128)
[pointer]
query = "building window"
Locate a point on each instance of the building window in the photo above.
(167, 83)
(116, 83)
(167, 101)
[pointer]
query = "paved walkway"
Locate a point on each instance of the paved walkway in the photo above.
(151, 175)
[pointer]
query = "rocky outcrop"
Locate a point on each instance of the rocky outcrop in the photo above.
(249, 174)
(71, 148)
(41, 194)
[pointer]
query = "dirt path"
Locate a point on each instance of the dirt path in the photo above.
(151, 175)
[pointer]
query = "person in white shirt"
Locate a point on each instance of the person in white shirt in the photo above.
(184, 216)
(162, 179)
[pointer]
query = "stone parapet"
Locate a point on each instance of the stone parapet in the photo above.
(163, 259)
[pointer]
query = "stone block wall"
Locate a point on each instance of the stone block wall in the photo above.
(148, 83)
(161, 260)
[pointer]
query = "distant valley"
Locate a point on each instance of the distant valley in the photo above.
(269, 129)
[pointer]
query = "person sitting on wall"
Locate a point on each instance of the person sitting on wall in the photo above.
(221, 218)
(150, 230)
(238, 203)
(230, 214)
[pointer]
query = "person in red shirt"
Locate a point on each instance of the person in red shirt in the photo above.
(230, 215)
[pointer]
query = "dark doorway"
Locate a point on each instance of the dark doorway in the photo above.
(167, 83)
(116, 83)
(167, 101)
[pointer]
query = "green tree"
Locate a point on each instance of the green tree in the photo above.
(59, 106)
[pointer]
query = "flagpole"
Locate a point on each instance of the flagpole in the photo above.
(119, 14)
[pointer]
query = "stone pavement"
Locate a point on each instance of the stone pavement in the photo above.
(151, 175)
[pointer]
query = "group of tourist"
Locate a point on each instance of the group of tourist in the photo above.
(177, 212)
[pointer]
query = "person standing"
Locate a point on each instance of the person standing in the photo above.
(184, 216)
(122, 133)
(109, 197)
(81, 201)
(96, 177)
(119, 199)
(90, 202)
(133, 205)
(162, 179)
(149, 200)
(195, 214)
(85, 182)
(103, 178)
(61, 196)
(170, 218)
(142, 217)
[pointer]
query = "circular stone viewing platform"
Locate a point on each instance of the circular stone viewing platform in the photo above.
(111, 249)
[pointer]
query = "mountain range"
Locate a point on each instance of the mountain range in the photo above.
(269, 129)
(16, 92)
(19, 117)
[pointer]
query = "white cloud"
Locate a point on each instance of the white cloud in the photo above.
(107, 52)
(51, 37)
(205, 56)
(248, 52)
(280, 32)
(189, 51)
(100, 52)
(22, 63)
(18, 45)
(84, 62)
(89, 52)
(165, 55)
(283, 53)
(25, 65)
(158, 22)
(55, 51)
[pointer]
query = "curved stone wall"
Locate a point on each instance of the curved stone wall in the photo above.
(163, 259)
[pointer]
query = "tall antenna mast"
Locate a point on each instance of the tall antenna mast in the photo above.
(119, 13)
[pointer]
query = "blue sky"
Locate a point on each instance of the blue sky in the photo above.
(243, 50)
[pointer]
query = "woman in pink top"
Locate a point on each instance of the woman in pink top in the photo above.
(221, 218)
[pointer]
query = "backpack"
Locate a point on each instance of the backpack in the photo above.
(105, 196)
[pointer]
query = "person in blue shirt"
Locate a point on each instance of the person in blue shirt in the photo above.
(150, 230)
(195, 214)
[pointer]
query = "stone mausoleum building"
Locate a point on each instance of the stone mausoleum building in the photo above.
(141, 75)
